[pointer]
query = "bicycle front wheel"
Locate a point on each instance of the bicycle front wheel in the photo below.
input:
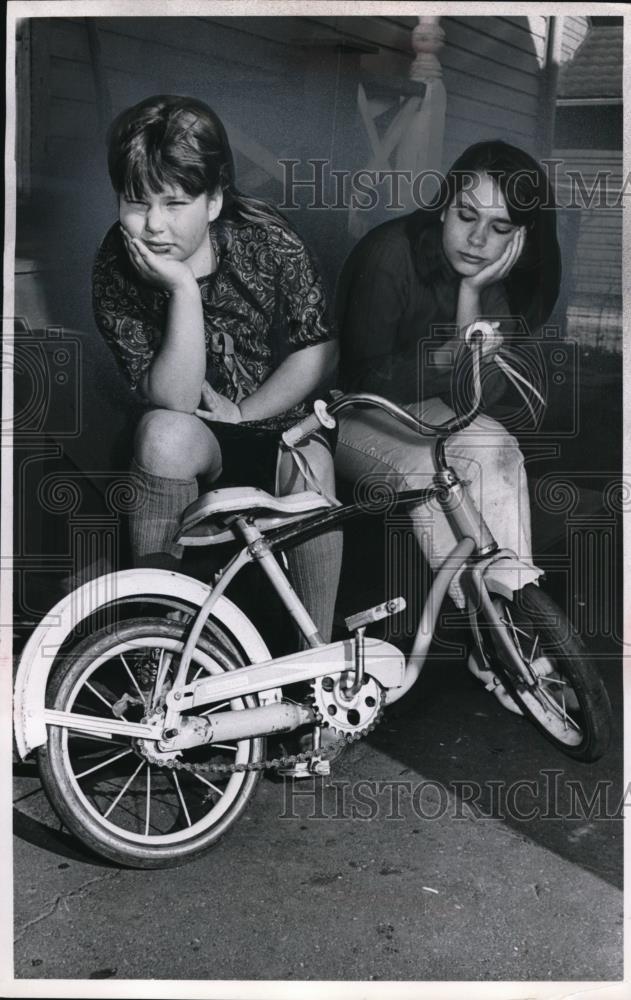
(121, 797)
(549, 674)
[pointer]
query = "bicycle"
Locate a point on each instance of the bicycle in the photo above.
(150, 733)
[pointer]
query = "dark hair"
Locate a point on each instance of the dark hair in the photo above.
(171, 140)
(532, 286)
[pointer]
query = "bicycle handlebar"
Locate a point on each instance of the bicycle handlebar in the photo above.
(474, 337)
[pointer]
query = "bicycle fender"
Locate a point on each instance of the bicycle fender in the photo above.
(505, 573)
(43, 646)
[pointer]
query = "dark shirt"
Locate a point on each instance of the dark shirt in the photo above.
(264, 300)
(385, 316)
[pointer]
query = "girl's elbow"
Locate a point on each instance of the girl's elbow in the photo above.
(168, 398)
(331, 356)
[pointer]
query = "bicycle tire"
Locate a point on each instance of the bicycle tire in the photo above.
(562, 693)
(88, 674)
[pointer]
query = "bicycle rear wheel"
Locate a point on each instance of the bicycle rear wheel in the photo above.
(549, 674)
(121, 797)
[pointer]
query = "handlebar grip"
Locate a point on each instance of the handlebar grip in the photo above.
(476, 333)
(319, 418)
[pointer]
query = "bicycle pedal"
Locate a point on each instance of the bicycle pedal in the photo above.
(298, 770)
(305, 769)
(380, 611)
(320, 766)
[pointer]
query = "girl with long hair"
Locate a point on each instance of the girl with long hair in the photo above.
(217, 316)
(486, 248)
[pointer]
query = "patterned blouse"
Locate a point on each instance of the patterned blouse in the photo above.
(264, 300)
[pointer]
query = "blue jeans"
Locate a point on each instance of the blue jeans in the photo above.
(374, 449)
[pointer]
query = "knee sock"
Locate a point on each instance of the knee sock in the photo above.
(314, 568)
(154, 524)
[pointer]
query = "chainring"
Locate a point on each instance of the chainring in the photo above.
(348, 715)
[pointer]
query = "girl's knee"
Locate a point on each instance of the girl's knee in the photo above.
(487, 446)
(175, 445)
(321, 461)
(507, 455)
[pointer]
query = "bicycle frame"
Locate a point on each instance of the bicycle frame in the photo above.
(476, 548)
(382, 660)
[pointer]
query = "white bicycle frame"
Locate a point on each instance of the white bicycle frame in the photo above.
(266, 677)
(499, 572)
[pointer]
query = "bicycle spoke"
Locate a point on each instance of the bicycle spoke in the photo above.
(104, 763)
(225, 746)
(88, 755)
(148, 811)
(555, 680)
(95, 736)
(215, 708)
(181, 797)
(514, 630)
(534, 646)
(104, 700)
(561, 713)
(134, 681)
(123, 789)
(163, 668)
(206, 782)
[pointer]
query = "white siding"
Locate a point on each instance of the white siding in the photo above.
(574, 31)
(592, 248)
(491, 68)
(492, 74)
(596, 268)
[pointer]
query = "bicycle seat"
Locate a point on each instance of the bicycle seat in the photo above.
(203, 521)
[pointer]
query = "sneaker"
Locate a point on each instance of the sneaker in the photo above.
(492, 682)
(556, 686)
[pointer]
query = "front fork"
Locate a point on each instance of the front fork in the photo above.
(481, 602)
(468, 522)
(478, 551)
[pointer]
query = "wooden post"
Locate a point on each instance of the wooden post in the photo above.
(427, 38)
(413, 140)
(421, 148)
(549, 84)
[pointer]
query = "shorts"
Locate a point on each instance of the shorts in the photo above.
(249, 454)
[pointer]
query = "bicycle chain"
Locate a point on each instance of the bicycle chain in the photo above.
(276, 762)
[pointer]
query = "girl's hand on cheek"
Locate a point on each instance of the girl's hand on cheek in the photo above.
(157, 269)
(502, 266)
